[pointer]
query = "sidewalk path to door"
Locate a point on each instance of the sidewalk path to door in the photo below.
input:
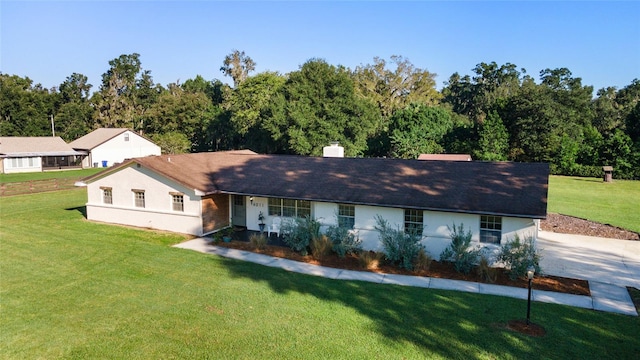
(604, 297)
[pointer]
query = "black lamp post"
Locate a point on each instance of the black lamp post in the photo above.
(531, 270)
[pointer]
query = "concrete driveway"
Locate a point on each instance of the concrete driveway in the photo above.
(608, 261)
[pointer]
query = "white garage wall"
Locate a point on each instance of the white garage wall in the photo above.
(117, 149)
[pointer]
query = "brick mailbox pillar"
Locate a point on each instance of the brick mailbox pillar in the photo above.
(607, 173)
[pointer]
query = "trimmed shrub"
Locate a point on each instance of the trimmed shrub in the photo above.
(400, 248)
(298, 233)
(518, 255)
(258, 241)
(344, 241)
(460, 252)
(321, 247)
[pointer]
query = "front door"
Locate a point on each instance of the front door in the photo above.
(239, 211)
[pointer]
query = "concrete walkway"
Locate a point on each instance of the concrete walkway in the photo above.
(604, 297)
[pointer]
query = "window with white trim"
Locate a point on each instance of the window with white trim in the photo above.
(126, 136)
(107, 195)
(177, 202)
(346, 216)
(413, 221)
(138, 198)
(490, 229)
(289, 207)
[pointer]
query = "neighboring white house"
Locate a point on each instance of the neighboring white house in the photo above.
(204, 192)
(35, 154)
(108, 146)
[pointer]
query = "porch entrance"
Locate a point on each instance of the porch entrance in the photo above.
(239, 211)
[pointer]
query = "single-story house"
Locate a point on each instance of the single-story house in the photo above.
(108, 146)
(35, 154)
(445, 157)
(201, 193)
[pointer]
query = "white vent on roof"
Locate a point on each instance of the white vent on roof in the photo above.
(333, 150)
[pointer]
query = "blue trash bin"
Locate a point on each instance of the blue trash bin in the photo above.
(104, 163)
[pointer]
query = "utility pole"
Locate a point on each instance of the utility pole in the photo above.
(53, 129)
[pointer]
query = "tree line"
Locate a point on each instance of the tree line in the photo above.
(389, 108)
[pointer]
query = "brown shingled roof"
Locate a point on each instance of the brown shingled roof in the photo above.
(500, 188)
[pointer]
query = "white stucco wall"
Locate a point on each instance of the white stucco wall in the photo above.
(436, 231)
(117, 149)
(23, 165)
(157, 213)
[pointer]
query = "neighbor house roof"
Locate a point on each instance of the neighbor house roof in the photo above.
(499, 188)
(445, 157)
(19, 146)
(96, 137)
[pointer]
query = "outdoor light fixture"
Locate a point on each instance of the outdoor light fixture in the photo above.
(531, 270)
(251, 200)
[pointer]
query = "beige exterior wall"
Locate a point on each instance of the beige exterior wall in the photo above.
(158, 212)
(117, 150)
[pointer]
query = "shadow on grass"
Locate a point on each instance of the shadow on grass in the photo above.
(588, 180)
(447, 323)
(81, 209)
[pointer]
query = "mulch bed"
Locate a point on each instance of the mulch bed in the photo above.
(573, 225)
(437, 270)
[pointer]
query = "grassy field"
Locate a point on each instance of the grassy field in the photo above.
(613, 203)
(75, 289)
(66, 174)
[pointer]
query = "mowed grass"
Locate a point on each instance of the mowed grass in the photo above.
(75, 289)
(66, 174)
(614, 203)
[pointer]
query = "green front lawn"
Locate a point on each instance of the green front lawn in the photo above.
(66, 174)
(614, 203)
(71, 288)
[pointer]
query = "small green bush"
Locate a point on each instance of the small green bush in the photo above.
(258, 241)
(399, 247)
(517, 255)
(321, 247)
(344, 241)
(298, 233)
(460, 252)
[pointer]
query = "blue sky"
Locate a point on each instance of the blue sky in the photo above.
(49, 40)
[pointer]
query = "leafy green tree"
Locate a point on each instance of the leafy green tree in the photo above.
(177, 111)
(238, 66)
(633, 123)
(320, 106)
(25, 109)
(73, 120)
(75, 88)
(490, 88)
(172, 142)
(249, 100)
(116, 100)
(418, 129)
(74, 117)
(493, 140)
(395, 88)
